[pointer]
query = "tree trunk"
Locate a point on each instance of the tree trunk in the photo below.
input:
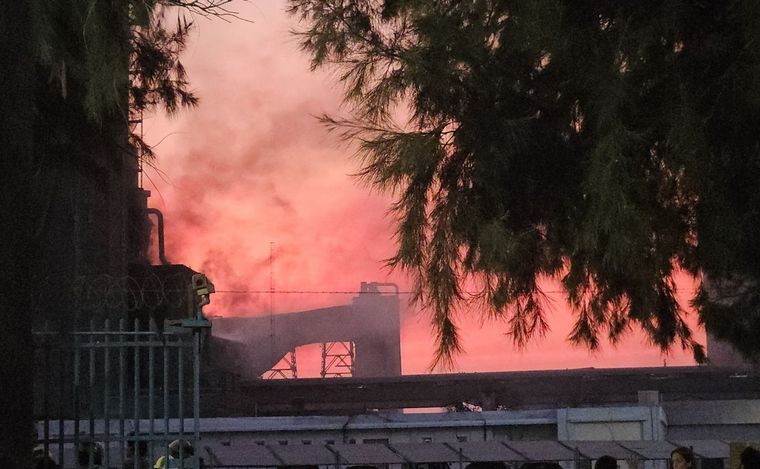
(17, 232)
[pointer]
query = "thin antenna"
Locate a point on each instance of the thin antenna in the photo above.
(140, 158)
(271, 299)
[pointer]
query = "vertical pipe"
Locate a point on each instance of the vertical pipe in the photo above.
(77, 358)
(160, 225)
(91, 382)
(181, 386)
(63, 369)
(122, 387)
(136, 378)
(166, 396)
(151, 384)
(106, 380)
(181, 395)
(45, 375)
(196, 391)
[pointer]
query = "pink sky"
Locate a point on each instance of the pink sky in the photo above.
(252, 169)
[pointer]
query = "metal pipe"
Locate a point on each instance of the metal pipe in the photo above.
(122, 386)
(106, 401)
(136, 394)
(160, 224)
(181, 387)
(91, 404)
(77, 358)
(46, 350)
(166, 396)
(65, 366)
(197, 388)
(151, 385)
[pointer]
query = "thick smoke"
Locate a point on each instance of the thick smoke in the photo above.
(251, 172)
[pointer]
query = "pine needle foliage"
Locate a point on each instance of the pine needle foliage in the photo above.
(608, 145)
(117, 60)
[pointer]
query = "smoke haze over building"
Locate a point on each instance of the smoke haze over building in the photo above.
(252, 172)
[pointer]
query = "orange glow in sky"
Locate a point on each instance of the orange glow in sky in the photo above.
(251, 171)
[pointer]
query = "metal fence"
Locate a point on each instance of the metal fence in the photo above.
(120, 393)
(105, 395)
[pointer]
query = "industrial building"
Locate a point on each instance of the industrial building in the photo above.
(373, 416)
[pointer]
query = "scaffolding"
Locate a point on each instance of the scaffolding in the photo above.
(284, 369)
(338, 359)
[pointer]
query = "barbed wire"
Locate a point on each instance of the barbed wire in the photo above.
(356, 292)
(107, 293)
(312, 292)
(103, 292)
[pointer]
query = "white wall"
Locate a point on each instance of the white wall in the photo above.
(612, 423)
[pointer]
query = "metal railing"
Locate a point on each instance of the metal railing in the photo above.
(116, 394)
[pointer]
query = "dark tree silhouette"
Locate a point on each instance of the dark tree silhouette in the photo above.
(73, 72)
(604, 144)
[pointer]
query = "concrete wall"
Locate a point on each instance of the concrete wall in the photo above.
(614, 423)
(734, 420)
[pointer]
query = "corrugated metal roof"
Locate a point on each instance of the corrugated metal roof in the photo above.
(367, 454)
(597, 449)
(650, 449)
(301, 455)
(426, 452)
(241, 455)
(542, 450)
(249, 454)
(506, 451)
(486, 451)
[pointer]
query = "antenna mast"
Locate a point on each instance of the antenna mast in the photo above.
(271, 297)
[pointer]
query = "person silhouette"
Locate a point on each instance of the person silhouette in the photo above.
(750, 458)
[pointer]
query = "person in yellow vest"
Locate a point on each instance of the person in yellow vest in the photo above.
(179, 451)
